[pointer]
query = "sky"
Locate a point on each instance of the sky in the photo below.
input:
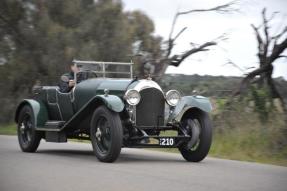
(241, 46)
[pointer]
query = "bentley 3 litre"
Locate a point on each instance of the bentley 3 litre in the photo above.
(115, 112)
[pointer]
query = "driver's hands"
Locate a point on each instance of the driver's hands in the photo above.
(71, 83)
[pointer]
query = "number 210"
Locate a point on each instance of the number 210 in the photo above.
(166, 141)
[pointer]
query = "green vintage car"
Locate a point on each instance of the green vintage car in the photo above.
(113, 109)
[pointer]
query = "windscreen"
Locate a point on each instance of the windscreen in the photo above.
(104, 69)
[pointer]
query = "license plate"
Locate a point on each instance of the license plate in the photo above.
(167, 141)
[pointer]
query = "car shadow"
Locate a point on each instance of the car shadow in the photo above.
(134, 157)
(124, 157)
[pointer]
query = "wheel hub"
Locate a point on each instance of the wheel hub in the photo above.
(25, 129)
(194, 128)
(99, 134)
(22, 128)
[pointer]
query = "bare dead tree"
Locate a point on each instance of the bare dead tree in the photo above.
(176, 60)
(270, 49)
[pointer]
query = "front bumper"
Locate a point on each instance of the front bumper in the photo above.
(146, 142)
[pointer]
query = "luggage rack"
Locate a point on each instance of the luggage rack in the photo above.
(85, 66)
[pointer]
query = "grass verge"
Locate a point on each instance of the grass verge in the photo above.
(254, 145)
(8, 129)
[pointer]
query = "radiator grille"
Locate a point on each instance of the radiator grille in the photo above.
(150, 110)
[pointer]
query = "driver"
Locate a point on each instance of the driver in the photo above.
(67, 81)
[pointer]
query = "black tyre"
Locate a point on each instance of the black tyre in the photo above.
(28, 138)
(201, 148)
(106, 134)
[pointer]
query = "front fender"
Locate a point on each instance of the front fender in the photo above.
(188, 102)
(39, 111)
(113, 102)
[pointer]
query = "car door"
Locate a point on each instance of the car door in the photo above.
(53, 106)
(65, 104)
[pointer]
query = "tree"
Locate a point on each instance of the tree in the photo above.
(270, 49)
(158, 65)
(40, 38)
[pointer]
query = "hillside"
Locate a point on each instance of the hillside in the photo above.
(215, 86)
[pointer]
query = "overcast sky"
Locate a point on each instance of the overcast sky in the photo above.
(241, 46)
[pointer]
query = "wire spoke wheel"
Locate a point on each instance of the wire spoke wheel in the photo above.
(195, 124)
(26, 129)
(106, 134)
(199, 127)
(29, 139)
(103, 136)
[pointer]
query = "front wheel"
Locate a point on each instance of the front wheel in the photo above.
(106, 134)
(28, 138)
(200, 121)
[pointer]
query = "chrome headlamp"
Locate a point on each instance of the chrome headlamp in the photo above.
(132, 97)
(172, 97)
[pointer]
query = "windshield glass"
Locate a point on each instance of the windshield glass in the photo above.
(94, 69)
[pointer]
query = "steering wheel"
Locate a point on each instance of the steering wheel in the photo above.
(85, 74)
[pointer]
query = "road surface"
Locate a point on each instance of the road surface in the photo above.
(72, 166)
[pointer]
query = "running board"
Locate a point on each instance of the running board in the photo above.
(51, 126)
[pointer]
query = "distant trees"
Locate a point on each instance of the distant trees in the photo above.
(38, 38)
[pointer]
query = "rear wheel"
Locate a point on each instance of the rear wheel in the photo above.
(29, 139)
(106, 134)
(199, 149)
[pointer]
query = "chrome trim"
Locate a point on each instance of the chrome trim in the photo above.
(170, 91)
(132, 113)
(72, 94)
(144, 84)
(130, 90)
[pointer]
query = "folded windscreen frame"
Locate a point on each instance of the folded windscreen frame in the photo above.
(92, 69)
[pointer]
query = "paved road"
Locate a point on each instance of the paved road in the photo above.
(72, 166)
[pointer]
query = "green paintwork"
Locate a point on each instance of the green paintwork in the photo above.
(75, 106)
(112, 102)
(86, 90)
(39, 111)
(188, 102)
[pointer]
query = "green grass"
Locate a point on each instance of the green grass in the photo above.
(255, 145)
(8, 129)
